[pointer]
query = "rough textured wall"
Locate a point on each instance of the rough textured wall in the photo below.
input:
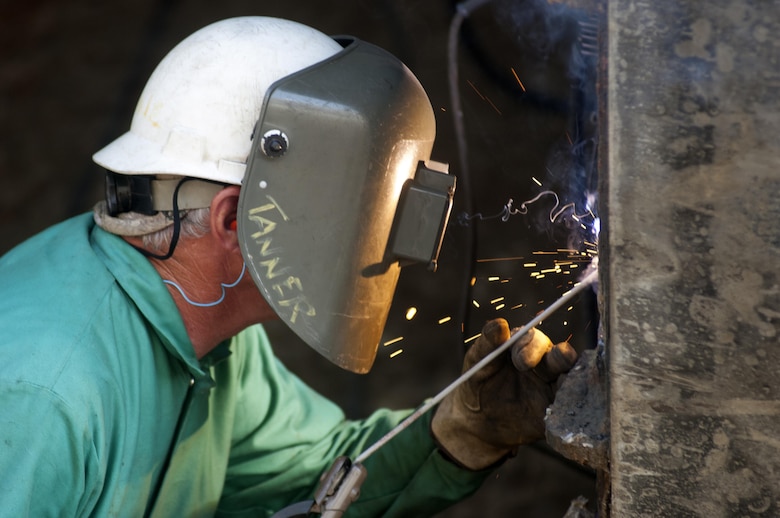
(693, 244)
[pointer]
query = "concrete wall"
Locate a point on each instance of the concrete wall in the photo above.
(690, 257)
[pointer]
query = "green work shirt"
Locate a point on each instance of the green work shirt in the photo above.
(106, 411)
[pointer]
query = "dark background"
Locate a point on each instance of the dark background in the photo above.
(71, 72)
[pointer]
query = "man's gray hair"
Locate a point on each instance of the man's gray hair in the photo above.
(156, 230)
(194, 223)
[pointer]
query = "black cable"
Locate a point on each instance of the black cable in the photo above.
(462, 11)
(176, 226)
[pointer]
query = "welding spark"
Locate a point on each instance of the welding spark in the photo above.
(493, 105)
(393, 341)
(483, 97)
(571, 260)
(475, 90)
(517, 78)
(471, 339)
(543, 265)
(495, 259)
(396, 353)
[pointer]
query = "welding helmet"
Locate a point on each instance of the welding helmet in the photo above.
(330, 140)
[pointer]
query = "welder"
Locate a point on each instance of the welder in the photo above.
(269, 172)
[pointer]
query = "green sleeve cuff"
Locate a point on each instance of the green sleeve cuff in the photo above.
(426, 484)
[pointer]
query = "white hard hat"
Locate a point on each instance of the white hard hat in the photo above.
(196, 114)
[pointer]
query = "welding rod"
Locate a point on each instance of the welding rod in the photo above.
(552, 308)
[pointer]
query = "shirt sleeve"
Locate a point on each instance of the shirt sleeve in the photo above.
(408, 477)
(45, 455)
(286, 435)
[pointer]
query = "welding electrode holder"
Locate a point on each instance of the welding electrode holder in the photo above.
(339, 487)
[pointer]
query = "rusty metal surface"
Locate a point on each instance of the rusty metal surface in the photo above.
(690, 268)
(576, 424)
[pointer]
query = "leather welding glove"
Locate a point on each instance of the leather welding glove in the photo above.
(503, 405)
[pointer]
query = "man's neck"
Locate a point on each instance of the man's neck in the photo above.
(211, 312)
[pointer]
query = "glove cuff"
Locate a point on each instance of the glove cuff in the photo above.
(446, 455)
(457, 443)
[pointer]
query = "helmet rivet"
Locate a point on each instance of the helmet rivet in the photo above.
(274, 143)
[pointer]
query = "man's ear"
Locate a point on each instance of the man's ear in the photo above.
(224, 214)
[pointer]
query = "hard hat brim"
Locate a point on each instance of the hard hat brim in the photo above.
(132, 154)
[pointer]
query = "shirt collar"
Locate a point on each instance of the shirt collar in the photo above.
(143, 285)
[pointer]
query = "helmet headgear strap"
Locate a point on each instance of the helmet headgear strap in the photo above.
(176, 226)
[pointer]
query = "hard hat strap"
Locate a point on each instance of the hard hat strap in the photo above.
(176, 225)
(147, 194)
(195, 194)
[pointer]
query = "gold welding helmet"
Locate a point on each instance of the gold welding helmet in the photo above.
(338, 192)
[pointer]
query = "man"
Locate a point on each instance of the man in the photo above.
(260, 179)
